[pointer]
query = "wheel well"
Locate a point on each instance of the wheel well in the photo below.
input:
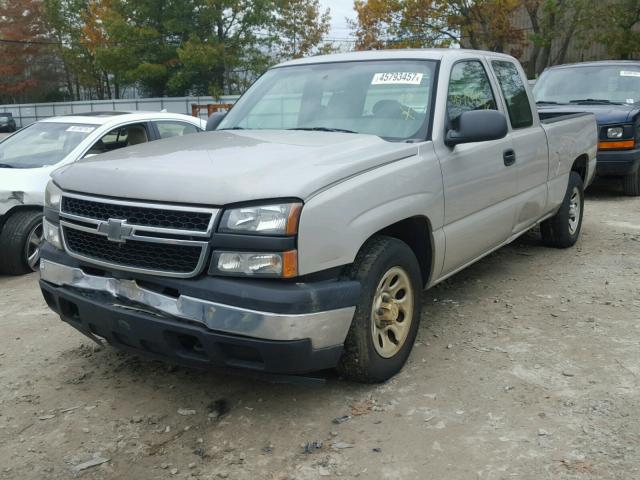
(580, 166)
(17, 208)
(415, 232)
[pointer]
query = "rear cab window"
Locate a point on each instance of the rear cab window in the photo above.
(514, 92)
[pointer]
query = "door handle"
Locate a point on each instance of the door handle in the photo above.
(509, 157)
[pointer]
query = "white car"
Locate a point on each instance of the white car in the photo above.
(29, 156)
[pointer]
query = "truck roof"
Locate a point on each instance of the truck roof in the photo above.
(393, 54)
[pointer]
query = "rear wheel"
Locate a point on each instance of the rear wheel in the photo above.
(20, 242)
(563, 229)
(631, 184)
(386, 320)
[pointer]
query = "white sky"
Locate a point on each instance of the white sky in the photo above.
(339, 10)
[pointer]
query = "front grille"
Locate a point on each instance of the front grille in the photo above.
(143, 216)
(137, 254)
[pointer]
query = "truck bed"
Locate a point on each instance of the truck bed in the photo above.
(569, 136)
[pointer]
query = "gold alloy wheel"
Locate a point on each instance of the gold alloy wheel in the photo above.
(392, 312)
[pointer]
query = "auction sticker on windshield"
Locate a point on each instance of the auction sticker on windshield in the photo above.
(397, 78)
(80, 129)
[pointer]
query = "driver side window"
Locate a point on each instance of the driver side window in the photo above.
(469, 89)
(120, 137)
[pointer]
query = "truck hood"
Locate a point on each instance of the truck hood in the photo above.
(222, 167)
(605, 114)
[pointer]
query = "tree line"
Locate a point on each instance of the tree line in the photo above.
(77, 49)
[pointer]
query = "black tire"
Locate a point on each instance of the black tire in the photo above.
(557, 230)
(631, 184)
(13, 241)
(360, 360)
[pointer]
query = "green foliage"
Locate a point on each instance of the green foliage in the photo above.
(179, 47)
(300, 26)
(616, 23)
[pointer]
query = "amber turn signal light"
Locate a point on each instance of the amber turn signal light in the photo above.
(290, 264)
(621, 145)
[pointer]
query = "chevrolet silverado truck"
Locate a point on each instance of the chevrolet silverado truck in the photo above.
(611, 90)
(299, 234)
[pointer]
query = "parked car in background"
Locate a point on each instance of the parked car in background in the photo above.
(28, 157)
(299, 235)
(610, 90)
(7, 122)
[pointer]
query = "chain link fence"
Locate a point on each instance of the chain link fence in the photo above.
(27, 113)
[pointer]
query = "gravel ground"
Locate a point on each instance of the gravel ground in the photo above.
(527, 366)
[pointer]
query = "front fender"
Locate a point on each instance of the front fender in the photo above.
(336, 222)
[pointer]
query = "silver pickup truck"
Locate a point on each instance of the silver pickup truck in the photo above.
(299, 235)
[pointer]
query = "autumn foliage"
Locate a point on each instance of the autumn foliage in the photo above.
(436, 23)
(23, 35)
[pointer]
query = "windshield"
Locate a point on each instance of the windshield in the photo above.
(42, 144)
(597, 84)
(390, 99)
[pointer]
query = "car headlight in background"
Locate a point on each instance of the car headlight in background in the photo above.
(255, 264)
(52, 234)
(52, 196)
(274, 219)
(615, 132)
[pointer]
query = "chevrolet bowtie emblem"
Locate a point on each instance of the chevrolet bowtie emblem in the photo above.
(116, 230)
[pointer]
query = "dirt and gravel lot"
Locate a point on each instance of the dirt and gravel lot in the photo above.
(527, 366)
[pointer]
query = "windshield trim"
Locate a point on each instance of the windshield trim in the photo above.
(424, 134)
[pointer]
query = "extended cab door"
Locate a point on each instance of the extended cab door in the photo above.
(529, 143)
(479, 179)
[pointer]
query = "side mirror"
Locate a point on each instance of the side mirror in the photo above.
(214, 120)
(478, 126)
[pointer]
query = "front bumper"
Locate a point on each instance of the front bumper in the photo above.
(190, 330)
(617, 163)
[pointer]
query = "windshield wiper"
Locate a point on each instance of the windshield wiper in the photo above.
(230, 128)
(596, 101)
(547, 102)
(323, 129)
(6, 165)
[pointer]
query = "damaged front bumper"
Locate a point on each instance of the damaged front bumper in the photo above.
(191, 330)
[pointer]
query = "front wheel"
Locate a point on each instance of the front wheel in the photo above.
(387, 315)
(563, 229)
(20, 242)
(631, 184)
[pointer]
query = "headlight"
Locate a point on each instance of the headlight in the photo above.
(615, 132)
(255, 264)
(275, 219)
(52, 196)
(52, 234)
